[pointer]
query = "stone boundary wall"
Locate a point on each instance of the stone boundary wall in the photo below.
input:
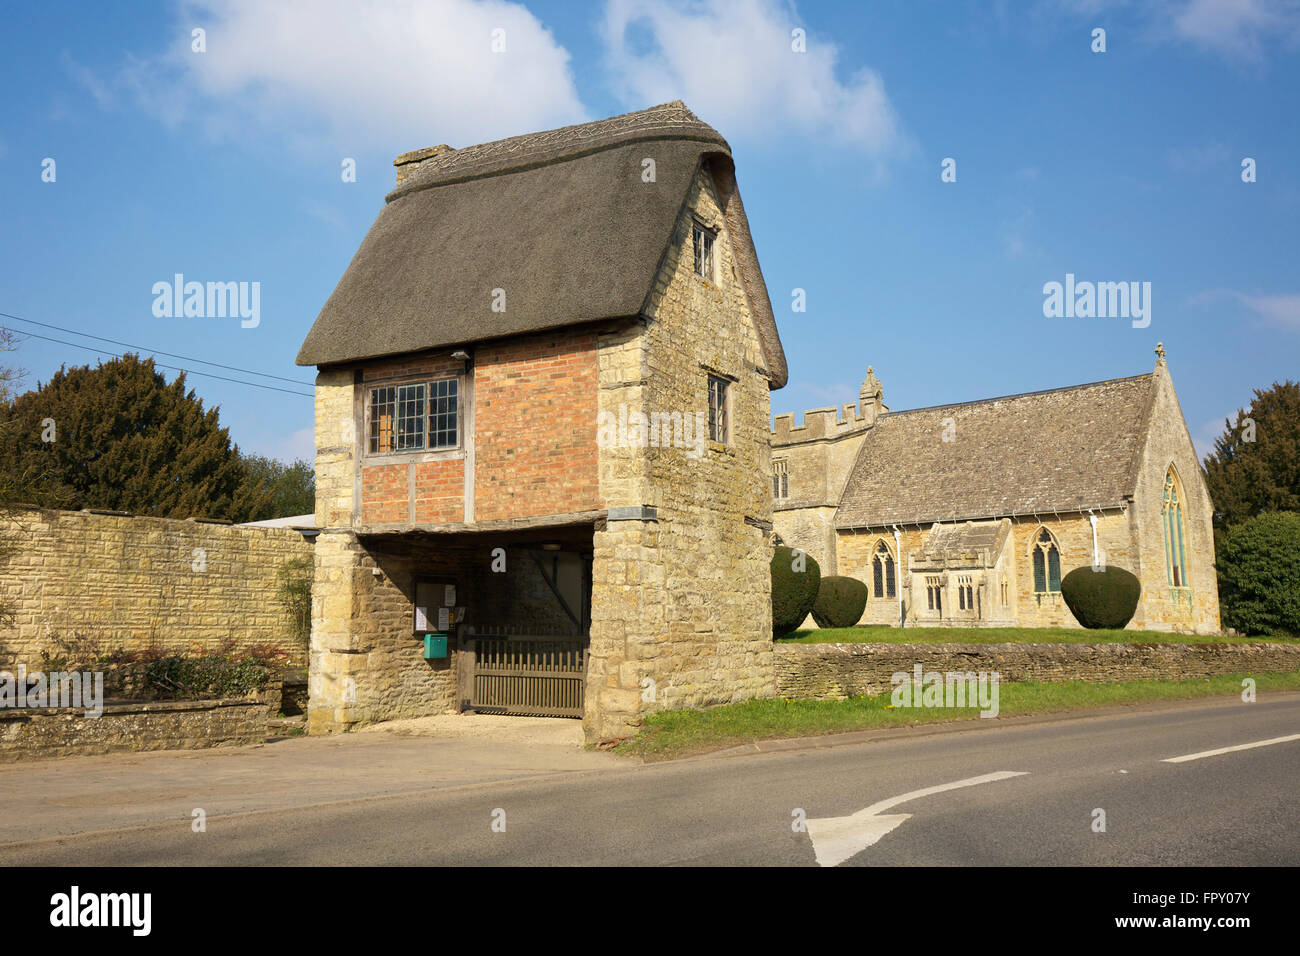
(836, 671)
(163, 725)
(117, 582)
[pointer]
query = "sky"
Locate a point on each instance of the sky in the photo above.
(922, 171)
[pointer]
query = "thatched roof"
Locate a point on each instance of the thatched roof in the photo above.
(561, 220)
(1062, 450)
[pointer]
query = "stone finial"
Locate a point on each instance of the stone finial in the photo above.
(872, 396)
(1160, 353)
(870, 386)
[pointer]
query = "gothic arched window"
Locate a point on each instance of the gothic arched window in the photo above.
(1047, 564)
(1172, 511)
(882, 572)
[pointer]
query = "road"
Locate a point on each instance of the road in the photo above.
(1047, 779)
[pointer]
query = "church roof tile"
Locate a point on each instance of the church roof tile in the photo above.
(1061, 450)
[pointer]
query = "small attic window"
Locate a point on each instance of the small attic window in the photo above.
(719, 410)
(702, 240)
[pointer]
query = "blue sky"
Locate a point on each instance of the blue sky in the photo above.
(1123, 165)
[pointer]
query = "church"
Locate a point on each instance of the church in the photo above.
(970, 514)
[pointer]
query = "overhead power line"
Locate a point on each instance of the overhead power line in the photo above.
(142, 348)
(175, 368)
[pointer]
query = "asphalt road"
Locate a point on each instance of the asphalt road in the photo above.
(1234, 808)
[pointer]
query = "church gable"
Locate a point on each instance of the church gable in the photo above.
(1173, 519)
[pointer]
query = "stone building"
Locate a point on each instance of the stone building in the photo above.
(542, 435)
(970, 514)
(811, 463)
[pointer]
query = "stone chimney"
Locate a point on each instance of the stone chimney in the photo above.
(871, 397)
(407, 163)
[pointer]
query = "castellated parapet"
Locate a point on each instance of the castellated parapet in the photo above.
(810, 464)
(829, 422)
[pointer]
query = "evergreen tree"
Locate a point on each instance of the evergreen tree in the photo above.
(120, 437)
(1255, 465)
(1259, 575)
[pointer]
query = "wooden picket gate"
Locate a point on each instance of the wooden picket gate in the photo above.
(529, 675)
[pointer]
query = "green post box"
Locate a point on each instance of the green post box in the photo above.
(435, 646)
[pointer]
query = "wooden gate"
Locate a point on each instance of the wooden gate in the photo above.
(529, 675)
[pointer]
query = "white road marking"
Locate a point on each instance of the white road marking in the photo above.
(1228, 750)
(836, 839)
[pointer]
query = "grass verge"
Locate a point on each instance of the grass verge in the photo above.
(680, 733)
(1008, 635)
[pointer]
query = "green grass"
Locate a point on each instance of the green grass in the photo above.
(1008, 635)
(679, 733)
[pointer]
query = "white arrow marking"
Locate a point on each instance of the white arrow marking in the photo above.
(1228, 750)
(836, 839)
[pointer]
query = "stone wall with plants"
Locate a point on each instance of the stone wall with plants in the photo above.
(93, 585)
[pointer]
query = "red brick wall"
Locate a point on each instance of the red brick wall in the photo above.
(439, 364)
(535, 426)
(439, 485)
(385, 494)
(535, 435)
(440, 490)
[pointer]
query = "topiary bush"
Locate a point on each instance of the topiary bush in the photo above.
(1259, 575)
(795, 581)
(840, 602)
(1103, 597)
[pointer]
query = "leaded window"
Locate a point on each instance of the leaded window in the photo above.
(443, 414)
(1047, 564)
(1172, 511)
(719, 426)
(414, 417)
(934, 594)
(702, 243)
(780, 478)
(882, 572)
(965, 594)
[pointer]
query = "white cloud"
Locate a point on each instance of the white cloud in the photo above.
(732, 64)
(389, 74)
(1237, 28)
(1280, 309)
(87, 79)
(299, 445)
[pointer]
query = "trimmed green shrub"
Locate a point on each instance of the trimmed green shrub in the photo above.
(840, 602)
(795, 581)
(1101, 597)
(1259, 575)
